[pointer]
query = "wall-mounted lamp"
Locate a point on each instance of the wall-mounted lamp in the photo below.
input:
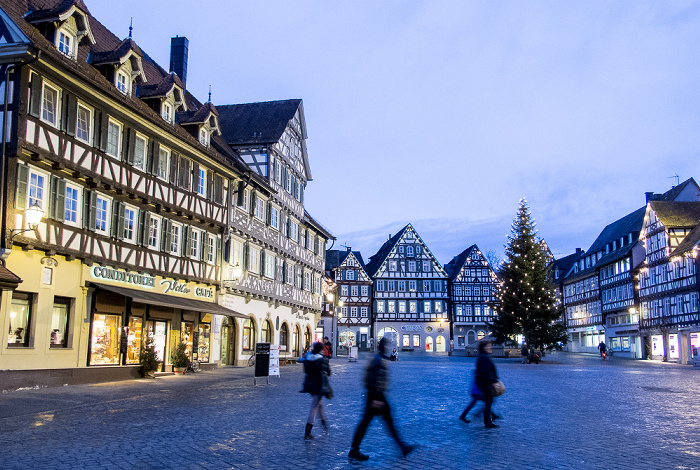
(32, 216)
(237, 271)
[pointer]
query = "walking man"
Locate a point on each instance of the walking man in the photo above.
(376, 382)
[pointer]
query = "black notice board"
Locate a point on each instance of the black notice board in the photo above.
(262, 359)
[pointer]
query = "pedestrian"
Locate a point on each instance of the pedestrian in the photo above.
(524, 352)
(327, 348)
(476, 397)
(376, 383)
(533, 356)
(317, 370)
(394, 355)
(602, 347)
(485, 376)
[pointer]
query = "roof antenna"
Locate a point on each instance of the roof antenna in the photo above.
(210, 93)
(131, 26)
(677, 179)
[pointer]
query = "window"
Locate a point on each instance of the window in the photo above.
(426, 286)
(402, 306)
(344, 291)
(380, 306)
(402, 286)
(284, 337)
(416, 341)
(82, 128)
(153, 232)
(437, 286)
(391, 306)
(363, 312)
(426, 306)
(412, 286)
(266, 332)
(413, 306)
(401, 248)
(49, 104)
(259, 208)
(236, 250)
(59, 323)
(412, 266)
(290, 274)
(102, 214)
(365, 290)
(458, 290)
(175, 233)
(139, 152)
(114, 132)
(163, 159)
(274, 217)
(20, 321)
(129, 221)
(293, 231)
(254, 257)
(194, 236)
(37, 187)
(380, 285)
(202, 182)
(65, 40)
(167, 111)
(391, 286)
(184, 175)
(350, 274)
(355, 291)
(248, 335)
(71, 214)
(409, 251)
(204, 137)
(211, 249)
(438, 306)
(123, 82)
(269, 265)
(426, 266)
(392, 265)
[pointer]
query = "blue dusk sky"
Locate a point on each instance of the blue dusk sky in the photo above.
(445, 113)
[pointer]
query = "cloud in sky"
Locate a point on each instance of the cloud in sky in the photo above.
(445, 114)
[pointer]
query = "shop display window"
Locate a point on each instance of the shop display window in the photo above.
(134, 340)
(615, 344)
(59, 323)
(284, 336)
(20, 321)
(416, 341)
(267, 332)
(695, 345)
(158, 331)
(186, 330)
(460, 340)
(429, 343)
(673, 346)
(204, 342)
(347, 339)
(406, 341)
(625, 343)
(249, 335)
(104, 344)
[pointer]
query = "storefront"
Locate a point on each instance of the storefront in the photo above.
(429, 337)
(125, 307)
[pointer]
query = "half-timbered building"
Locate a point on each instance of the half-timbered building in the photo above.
(471, 286)
(667, 281)
(410, 294)
(354, 324)
(277, 246)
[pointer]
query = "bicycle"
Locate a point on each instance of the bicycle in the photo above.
(193, 367)
(251, 361)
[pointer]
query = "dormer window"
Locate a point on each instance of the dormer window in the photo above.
(123, 82)
(66, 43)
(204, 137)
(167, 112)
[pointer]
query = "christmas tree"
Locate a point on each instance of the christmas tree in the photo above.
(527, 296)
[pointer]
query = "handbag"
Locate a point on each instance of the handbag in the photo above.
(497, 388)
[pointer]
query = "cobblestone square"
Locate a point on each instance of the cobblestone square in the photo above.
(571, 412)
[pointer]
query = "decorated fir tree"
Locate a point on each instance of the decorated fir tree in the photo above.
(527, 297)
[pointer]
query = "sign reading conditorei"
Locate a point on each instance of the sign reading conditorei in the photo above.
(143, 280)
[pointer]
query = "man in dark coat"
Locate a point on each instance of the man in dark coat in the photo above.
(376, 383)
(315, 367)
(524, 352)
(485, 375)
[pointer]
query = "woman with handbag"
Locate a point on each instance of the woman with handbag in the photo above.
(485, 378)
(317, 370)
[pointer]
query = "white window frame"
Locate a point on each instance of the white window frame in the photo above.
(254, 259)
(393, 266)
(194, 248)
(70, 49)
(412, 306)
(307, 280)
(426, 264)
(363, 312)
(426, 306)
(140, 138)
(44, 199)
(274, 217)
(438, 306)
(350, 274)
(55, 106)
(107, 211)
(391, 306)
(154, 232)
(167, 111)
(175, 238)
(204, 137)
(269, 265)
(365, 290)
(78, 205)
(211, 252)
(290, 274)
(122, 82)
(294, 229)
(236, 253)
(355, 290)
(134, 223)
(163, 170)
(259, 208)
(344, 290)
(380, 306)
(88, 123)
(111, 125)
(353, 312)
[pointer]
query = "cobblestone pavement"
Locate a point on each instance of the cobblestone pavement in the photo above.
(571, 412)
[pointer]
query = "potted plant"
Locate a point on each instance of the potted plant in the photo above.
(148, 359)
(180, 359)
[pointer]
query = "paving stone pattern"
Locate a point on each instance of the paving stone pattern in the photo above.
(570, 412)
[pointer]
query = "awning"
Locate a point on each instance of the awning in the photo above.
(153, 298)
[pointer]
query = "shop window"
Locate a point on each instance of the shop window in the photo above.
(267, 332)
(20, 321)
(429, 344)
(204, 342)
(296, 340)
(480, 335)
(186, 330)
(59, 323)
(249, 335)
(284, 337)
(391, 333)
(406, 343)
(104, 344)
(460, 341)
(307, 338)
(133, 340)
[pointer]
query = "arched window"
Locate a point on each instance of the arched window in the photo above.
(296, 340)
(480, 335)
(471, 338)
(440, 344)
(267, 332)
(429, 343)
(248, 335)
(307, 338)
(391, 334)
(284, 336)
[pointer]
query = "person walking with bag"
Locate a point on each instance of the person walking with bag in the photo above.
(317, 370)
(376, 383)
(485, 377)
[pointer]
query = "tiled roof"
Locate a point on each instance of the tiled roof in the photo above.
(198, 116)
(117, 54)
(674, 192)
(8, 277)
(335, 258)
(256, 123)
(677, 214)
(378, 258)
(48, 9)
(160, 88)
(689, 242)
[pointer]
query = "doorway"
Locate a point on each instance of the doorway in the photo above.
(228, 342)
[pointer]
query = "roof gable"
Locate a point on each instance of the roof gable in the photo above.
(377, 263)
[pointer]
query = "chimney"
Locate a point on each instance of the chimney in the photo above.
(178, 57)
(649, 195)
(349, 248)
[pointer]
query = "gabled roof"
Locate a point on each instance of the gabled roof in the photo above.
(376, 260)
(15, 46)
(42, 11)
(454, 267)
(677, 214)
(335, 258)
(689, 242)
(200, 116)
(676, 192)
(257, 123)
(630, 223)
(162, 87)
(118, 55)
(564, 264)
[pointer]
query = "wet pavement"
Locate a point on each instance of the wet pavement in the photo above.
(571, 412)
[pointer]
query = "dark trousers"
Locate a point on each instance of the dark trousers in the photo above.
(385, 413)
(469, 407)
(488, 402)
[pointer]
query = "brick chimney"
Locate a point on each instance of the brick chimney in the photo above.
(178, 57)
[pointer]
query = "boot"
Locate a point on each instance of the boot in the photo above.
(324, 423)
(307, 433)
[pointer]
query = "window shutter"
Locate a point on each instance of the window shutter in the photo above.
(210, 186)
(268, 213)
(130, 148)
(253, 195)
(59, 197)
(166, 227)
(22, 186)
(262, 262)
(301, 193)
(218, 189)
(274, 267)
(195, 177)
(289, 226)
(239, 194)
(185, 173)
(141, 231)
(118, 217)
(71, 113)
(152, 159)
(104, 131)
(245, 257)
(173, 168)
(91, 210)
(316, 244)
(63, 118)
(35, 97)
(96, 129)
(185, 245)
(284, 271)
(204, 252)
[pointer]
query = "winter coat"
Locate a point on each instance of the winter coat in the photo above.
(523, 351)
(377, 378)
(485, 373)
(315, 365)
(327, 349)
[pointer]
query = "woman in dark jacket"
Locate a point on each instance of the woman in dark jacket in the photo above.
(485, 375)
(315, 367)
